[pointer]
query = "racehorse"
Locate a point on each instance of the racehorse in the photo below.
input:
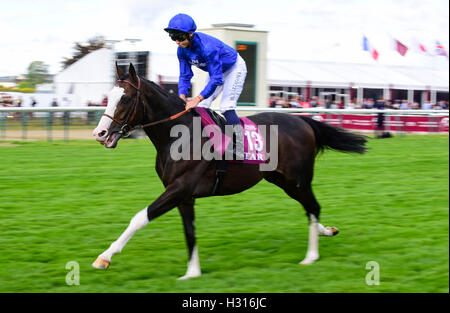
(136, 102)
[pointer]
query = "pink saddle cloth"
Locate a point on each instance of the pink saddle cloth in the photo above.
(253, 140)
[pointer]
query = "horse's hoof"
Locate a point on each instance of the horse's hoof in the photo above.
(334, 230)
(101, 264)
(189, 276)
(307, 262)
(310, 259)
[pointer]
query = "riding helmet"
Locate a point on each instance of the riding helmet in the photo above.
(181, 22)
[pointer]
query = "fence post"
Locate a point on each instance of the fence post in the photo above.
(49, 126)
(24, 125)
(66, 120)
(98, 116)
(3, 122)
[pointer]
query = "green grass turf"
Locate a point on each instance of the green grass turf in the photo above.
(62, 202)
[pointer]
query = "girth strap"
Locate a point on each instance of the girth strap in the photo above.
(221, 170)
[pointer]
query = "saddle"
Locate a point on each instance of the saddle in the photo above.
(216, 118)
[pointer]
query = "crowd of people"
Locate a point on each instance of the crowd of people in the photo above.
(366, 103)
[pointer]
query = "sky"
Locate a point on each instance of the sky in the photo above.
(325, 30)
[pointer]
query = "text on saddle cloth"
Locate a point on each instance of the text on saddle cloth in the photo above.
(253, 139)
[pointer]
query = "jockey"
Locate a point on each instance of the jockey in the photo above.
(226, 69)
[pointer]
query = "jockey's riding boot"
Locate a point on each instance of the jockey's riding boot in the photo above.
(236, 149)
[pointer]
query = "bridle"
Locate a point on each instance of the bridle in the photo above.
(125, 129)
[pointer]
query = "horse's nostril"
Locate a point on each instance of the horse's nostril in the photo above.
(102, 133)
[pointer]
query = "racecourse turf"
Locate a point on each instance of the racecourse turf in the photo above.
(63, 202)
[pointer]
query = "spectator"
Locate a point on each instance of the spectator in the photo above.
(369, 104)
(334, 105)
(404, 105)
(33, 104)
(281, 103)
(396, 105)
(303, 103)
(426, 105)
(379, 129)
(295, 103)
(272, 101)
(364, 104)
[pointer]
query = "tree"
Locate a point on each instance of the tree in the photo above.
(37, 73)
(81, 50)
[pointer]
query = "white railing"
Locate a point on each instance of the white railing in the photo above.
(245, 109)
(6, 113)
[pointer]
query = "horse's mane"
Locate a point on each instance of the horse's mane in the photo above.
(173, 99)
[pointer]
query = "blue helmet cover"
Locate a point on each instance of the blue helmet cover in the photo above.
(182, 22)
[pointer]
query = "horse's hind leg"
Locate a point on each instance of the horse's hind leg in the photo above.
(306, 197)
(187, 213)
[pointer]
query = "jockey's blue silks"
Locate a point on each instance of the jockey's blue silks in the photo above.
(208, 54)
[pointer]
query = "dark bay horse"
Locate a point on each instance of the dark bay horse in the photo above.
(136, 101)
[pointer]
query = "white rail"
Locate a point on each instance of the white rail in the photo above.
(245, 109)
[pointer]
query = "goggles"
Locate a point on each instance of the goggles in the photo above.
(179, 36)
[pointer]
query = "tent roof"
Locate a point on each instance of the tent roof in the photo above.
(322, 74)
(330, 74)
(95, 67)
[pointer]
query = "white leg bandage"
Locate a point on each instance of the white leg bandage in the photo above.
(313, 242)
(137, 222)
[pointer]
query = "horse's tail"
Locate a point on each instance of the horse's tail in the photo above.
(336, 138)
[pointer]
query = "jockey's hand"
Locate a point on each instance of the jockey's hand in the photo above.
(192, 103)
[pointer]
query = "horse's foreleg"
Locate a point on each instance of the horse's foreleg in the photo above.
(187, 213)
(136, 223)
(167, 201)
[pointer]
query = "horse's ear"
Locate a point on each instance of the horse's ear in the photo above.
(132, 73)
(119, 71)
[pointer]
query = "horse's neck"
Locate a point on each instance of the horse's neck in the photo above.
(160, 134)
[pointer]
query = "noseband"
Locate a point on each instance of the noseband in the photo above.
(125, 129)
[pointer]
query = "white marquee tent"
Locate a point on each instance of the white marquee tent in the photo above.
(88, 79)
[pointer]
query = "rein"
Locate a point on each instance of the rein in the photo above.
(123, 131)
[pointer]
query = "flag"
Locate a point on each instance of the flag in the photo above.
(367, 47)
(419, 47)
(401, 48)
(422, 48)
(440, 50)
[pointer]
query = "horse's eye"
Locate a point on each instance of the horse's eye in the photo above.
(125, 100)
